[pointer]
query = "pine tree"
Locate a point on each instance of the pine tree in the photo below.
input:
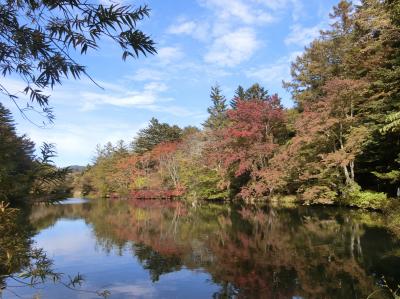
(217, 111)
(16, 159)
(256, 92)
(239, 95)
(155, 134)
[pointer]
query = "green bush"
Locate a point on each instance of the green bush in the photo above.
(354, 196)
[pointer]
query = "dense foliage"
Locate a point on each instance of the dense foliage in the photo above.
(339, 144)
(22, 174)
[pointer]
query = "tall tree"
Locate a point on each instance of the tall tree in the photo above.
(348, 77)
(22, 174)
(16, 160)
(217, 112)
(246, 145)
(239, 95)
(254, 92)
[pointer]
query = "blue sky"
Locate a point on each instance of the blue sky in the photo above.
(199, 42)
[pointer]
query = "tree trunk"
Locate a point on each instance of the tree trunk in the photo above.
(352, 170)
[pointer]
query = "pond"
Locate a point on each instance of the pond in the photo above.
(156, 249)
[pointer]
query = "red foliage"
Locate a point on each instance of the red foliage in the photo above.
(249, 139)
(164, 149)
(128, 166)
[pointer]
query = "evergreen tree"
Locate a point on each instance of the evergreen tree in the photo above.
(16, 160)
(217, 111)
(155, 134)
(239, 95)
(256, 92)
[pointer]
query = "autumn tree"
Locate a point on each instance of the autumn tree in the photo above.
(342, 85)
(251, 138)
(202, 180)
(165, 155)
(125, 174)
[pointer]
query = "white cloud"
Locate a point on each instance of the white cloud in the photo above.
(283, 5)
(174, 110)
(198, 30)
(275, 73)
(130, 99)
(135, 289)
(302, 36)
(182, 28)
(147, 74)
(237, 9)
(123, 97)
(149, 98)
(274, 4)
(109, 2)
(156, 87)
(269, 74)
(167, 55)
(233, 48)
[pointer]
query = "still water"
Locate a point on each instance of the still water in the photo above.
(153, 249)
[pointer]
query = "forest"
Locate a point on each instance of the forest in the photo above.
(338, 145)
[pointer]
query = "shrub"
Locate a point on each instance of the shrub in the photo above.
(354, 196)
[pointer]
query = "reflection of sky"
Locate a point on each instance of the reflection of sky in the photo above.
(72, 201)
(72, 246)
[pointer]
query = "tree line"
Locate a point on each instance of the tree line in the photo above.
(338, 145)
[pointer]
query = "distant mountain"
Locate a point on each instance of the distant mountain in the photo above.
(77, 168)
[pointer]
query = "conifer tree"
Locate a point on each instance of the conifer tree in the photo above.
(239, 95)
(217, 111)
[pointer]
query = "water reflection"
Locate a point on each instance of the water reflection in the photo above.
(169, 250)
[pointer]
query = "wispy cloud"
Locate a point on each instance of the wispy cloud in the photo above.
(233, 48)
(302, 36)
(124, 97)
(273, 74)
(167, 55)
(196, 29)
(146, 74)
(237, 9)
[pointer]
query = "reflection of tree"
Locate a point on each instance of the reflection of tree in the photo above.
(15, 243)
(282, 260)
(23, 264)
(249, 252)
(156, 263)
